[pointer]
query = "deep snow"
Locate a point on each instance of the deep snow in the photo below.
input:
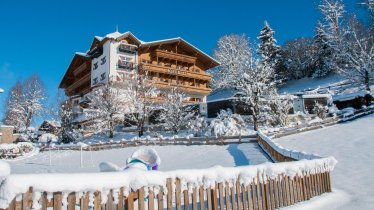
(352, 144)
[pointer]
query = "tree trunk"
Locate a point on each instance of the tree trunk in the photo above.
(367, 80)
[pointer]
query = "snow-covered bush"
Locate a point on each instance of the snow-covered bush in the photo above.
(227, 124)
(29, 134)
(9, 151)
(197, 125)
(320, 110)
(48, 138)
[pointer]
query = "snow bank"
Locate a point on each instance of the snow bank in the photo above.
(4, 170)
(9, 151)
(134, 179)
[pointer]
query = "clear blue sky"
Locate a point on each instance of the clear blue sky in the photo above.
(42, 36)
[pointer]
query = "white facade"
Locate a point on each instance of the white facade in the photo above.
(117, 62)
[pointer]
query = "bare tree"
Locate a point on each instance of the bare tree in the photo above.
(235, 56)
(14, 111)
(34, 98)
(175, 113)
(140, 94)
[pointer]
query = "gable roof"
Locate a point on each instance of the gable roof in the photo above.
(179, 39)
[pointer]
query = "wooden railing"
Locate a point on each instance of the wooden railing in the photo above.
(179, 72)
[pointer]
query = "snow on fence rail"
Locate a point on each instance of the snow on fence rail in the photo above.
(265, 186)
(161, 142)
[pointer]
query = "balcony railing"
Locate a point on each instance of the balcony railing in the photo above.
(173, 71)
(127, 48)
(126, 65)
(175, 56)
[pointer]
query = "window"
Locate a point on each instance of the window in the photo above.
(95, 81)
(103, 60)
(95, 66)
(102, 76)
(76, 102)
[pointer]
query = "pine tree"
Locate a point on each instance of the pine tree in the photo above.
(269, 50)
(323, 54)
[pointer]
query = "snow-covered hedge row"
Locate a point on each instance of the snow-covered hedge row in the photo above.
(15, 184)
(286, 152)
(9, 151)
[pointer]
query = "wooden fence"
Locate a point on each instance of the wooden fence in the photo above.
(222, 140)
(260, 191)
(260, 194)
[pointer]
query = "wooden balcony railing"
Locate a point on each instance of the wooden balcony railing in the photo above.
(174, 71)
(187, 88)
(175, 56)
(79, 82)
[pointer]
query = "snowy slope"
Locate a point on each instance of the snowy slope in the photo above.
(352, 145)
(172, 157)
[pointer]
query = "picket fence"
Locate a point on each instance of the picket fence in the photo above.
(261, 192)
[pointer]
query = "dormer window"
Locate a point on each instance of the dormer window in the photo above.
(95, 66)
(95, 81)
(103, 60)
(102, 76)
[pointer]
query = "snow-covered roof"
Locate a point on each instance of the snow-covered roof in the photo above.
(82, 54)
(317, 96)
(349, 96)
(53, 123)
(221, 95)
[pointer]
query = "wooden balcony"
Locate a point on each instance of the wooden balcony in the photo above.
(174, 71)
(175, 56)
(79, 82)
(192, 89)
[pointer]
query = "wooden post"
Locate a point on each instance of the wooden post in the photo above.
(186, 200)
(151, 201)
(201, 198)
(12, 205)
(97, 200)
(254, 194)
(71, 201)
(178, 201)
(57, 201)
(160, 199)
(27, 199)
(84, 202)
(233, 200)
(221, 197)
(209, 198)
(129, 202)
(141, 199)
(244, 195)
(120, 203)
(259, 195)
(43, 201)
(169, 195)
(214, 197)
(237, 184)
(194, 199)
(227, 196)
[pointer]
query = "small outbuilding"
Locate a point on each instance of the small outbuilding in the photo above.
(52, 127)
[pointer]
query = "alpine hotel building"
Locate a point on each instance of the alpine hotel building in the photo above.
(169, 63)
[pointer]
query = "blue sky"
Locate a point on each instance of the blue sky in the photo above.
(42, 36)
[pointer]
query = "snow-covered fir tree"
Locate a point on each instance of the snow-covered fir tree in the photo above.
(197, 125)
(69, 133)
(256, 88)
(140, 94)
(234, 54)
(174, 112)
(323, 55)
(296, 58)
(269, 50)
(333, 12)
(320, 110)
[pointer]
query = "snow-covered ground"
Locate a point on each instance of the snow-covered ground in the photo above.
(172, 157)
(352, 144)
